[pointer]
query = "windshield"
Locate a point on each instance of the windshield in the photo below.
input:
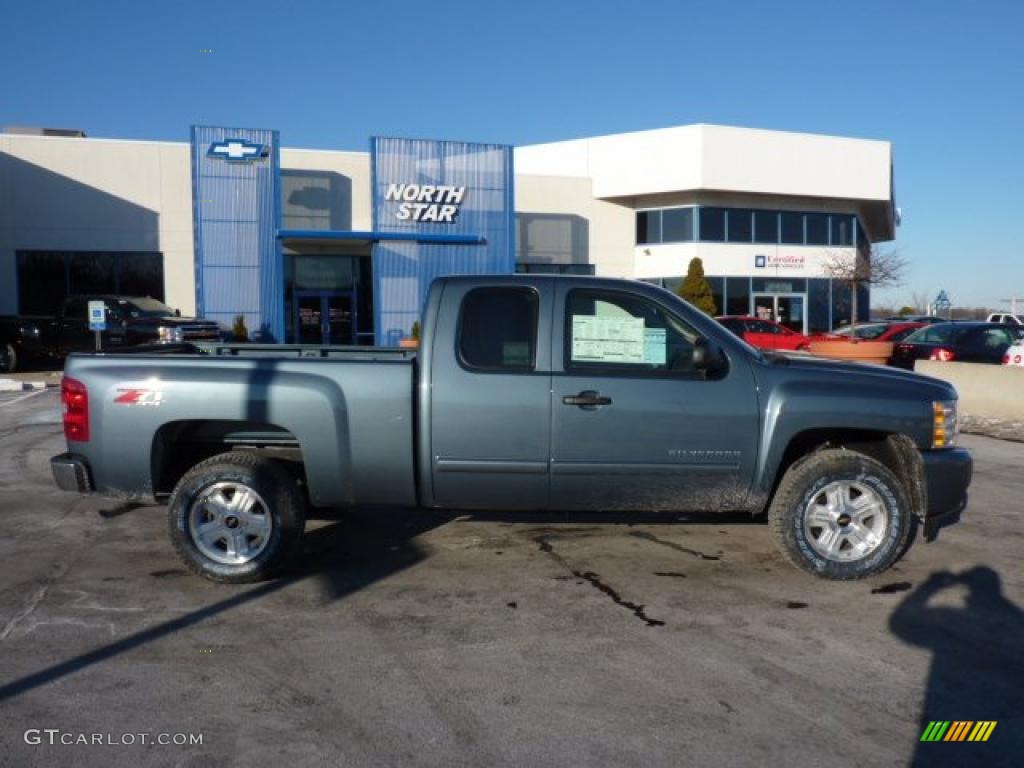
(144, 307)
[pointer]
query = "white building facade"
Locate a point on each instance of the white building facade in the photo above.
(763, 210)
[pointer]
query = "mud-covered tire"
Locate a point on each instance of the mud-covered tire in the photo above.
(264, 536)
(840, 515)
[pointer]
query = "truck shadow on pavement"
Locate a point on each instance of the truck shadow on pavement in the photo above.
(977, 668)
(341, 558)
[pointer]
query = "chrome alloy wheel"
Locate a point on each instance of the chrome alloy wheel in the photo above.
(845, 521)
(229, 523)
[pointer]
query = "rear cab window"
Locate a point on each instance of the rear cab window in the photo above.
(498, 329)
(615, 332)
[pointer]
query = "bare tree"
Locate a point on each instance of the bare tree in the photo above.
(879, 268)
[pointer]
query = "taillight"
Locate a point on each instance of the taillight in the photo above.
(1006, 359)
(75, 398)
(942, 354)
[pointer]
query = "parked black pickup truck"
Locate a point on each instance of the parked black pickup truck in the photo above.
(131, 320)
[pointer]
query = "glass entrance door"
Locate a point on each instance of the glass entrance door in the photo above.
(325, 318)
(789, 310)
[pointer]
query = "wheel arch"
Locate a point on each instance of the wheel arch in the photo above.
(180, 445)
(897, 452)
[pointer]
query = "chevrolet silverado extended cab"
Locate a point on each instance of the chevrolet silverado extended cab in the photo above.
(529, 392)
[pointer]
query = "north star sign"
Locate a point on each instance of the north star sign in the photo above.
(236, 150)
(426, 202)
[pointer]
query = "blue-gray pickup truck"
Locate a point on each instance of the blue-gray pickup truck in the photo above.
(527, 393)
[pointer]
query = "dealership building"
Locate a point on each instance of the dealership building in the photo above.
(320, 246)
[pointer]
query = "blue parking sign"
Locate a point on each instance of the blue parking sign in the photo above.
(97, 316)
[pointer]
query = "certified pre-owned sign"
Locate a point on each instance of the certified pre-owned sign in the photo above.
(426, 202)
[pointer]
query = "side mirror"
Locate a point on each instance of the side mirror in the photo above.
(707, 356)
(177, 313)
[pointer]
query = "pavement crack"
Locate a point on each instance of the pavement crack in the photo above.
(672, 545)
(638, 610)
(34, 600)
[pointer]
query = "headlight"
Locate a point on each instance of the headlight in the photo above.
(945, 424)
(170, 334)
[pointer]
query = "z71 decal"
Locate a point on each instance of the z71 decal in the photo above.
(139, 397)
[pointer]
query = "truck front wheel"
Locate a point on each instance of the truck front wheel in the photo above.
(236, 518)
(840, 515)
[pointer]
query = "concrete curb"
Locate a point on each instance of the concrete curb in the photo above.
(12, 385)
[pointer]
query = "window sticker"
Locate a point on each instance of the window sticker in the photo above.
(608, 339)
(654, 346)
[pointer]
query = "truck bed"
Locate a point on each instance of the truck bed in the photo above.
(349, 408)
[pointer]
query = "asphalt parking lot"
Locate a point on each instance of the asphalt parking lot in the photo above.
(414, 638)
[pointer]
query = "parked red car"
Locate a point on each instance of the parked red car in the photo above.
(894, 331)
(764, 334)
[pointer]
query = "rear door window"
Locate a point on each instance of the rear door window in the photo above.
(498, 329)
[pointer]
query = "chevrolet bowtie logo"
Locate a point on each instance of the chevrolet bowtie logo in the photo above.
(236, 150)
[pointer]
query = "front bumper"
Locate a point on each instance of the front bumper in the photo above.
(947, 474)
(71, 473)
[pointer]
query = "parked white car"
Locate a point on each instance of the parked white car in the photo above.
(1006, 318)
(1014, 354)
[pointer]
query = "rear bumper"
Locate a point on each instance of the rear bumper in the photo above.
(71, 473)
(947, 475)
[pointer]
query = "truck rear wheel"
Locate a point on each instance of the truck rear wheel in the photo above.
(236, 518)
(840, 515)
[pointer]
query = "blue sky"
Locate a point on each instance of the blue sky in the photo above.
(943, 81)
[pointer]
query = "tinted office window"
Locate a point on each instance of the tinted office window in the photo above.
(712, 224)
(142, 274)
(817, 229)
(842, 229)
(792, 228)
(648, 227)
(620, 332)
(46, 278)
(737, 291)
(498, 329)
(92, 273)
(766, 226)
(42, 282)
(740, 225)
(677, 225)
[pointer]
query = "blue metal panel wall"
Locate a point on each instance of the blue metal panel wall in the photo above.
(403, 271)
(236, 213)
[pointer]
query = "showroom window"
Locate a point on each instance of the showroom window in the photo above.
(648, 227)
(766, 226)
(740, 224)
(817, 228)
(842, 229)
(46, 278)
(791, 228)
(712, 224)
(677, 225)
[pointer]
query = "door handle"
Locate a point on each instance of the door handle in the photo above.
(588, 398)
